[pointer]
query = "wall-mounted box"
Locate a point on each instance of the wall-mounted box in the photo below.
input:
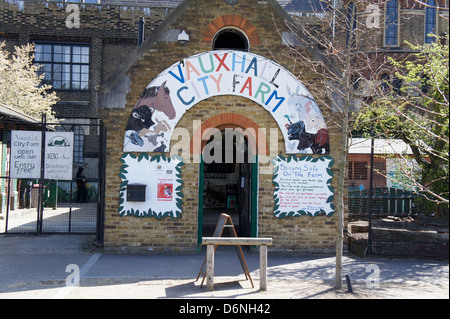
(136, 192)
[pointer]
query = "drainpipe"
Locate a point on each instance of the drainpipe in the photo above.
(141, 27)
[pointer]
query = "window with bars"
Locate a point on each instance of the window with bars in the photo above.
(360, 171)
(78, 144)
(65, 66)
(379, 171)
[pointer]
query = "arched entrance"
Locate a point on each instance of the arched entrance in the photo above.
(228, 182)
(228, 179)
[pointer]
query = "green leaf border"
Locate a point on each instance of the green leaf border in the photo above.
(308, 158)
(150, 213)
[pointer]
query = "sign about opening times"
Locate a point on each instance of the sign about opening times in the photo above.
(26, 147)
(25, 154)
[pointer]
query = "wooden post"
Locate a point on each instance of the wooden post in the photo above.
(211, 242)
(210, 267)
(262, 267)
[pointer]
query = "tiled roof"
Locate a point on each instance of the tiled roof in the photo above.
(303, 5)
(150, 3)
(288, 5)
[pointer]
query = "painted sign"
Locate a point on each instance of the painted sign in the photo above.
(162, 176)
(194, 79)
(303, 186)
(25, 154)
(58, 155)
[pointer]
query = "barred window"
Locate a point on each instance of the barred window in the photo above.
(360, 171)
(65, 66)
(78, 144)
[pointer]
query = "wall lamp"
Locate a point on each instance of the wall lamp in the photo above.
(183, 38)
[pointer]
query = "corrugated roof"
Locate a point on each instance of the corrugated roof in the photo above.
(13, 114)
(381, 146)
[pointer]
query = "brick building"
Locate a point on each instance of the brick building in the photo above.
(204, 70)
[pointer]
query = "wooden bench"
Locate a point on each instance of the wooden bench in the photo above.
(211, 242)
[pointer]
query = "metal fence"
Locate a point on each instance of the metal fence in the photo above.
(391, 225)
(42, 205)
(385, 202)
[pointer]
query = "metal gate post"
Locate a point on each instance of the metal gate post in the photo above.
(101, 185)
(40, 215)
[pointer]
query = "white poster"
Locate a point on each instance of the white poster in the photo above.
(162, 177)
(303, 186)
(196, 78)
(25, 154)
(58, 155)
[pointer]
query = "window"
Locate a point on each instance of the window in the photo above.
(360, 171)
(350, 171)
(66, 66)
(352, 19)
(385, 83)
(430, 21)
(230, 39)
(379, 171)
(390, 84)
(391, 30)
(78, 144)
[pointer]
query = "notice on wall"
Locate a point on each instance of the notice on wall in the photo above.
(25, 154)
(58, 155)
(303, 186)
(161, 175)
(164, 190)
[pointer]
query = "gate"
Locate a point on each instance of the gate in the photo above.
(48, 206)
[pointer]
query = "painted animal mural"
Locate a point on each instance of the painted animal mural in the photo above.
(306, 125)
(149, 121)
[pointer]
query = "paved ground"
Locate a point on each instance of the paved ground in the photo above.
(40, 267)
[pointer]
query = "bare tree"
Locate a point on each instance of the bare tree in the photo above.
(339, 47)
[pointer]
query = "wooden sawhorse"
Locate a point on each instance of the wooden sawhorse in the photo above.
(211, 242)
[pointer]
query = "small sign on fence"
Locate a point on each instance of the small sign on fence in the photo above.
(58, 155)
(25, 154)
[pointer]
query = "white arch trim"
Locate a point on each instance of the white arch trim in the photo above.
(226, 72)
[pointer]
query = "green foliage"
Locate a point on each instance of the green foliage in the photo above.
(418, 113)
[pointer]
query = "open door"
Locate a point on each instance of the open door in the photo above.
(227, 188)
(245, 196)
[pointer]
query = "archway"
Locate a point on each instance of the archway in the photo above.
(225, 72)
(228, 171)
(227, 183)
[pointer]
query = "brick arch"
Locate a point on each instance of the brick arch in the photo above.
(230, 120)
(231, 20)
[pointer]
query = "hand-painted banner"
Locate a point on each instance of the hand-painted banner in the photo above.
(194, 79)
(303, 186)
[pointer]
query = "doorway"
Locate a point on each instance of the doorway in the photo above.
(227, 184)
